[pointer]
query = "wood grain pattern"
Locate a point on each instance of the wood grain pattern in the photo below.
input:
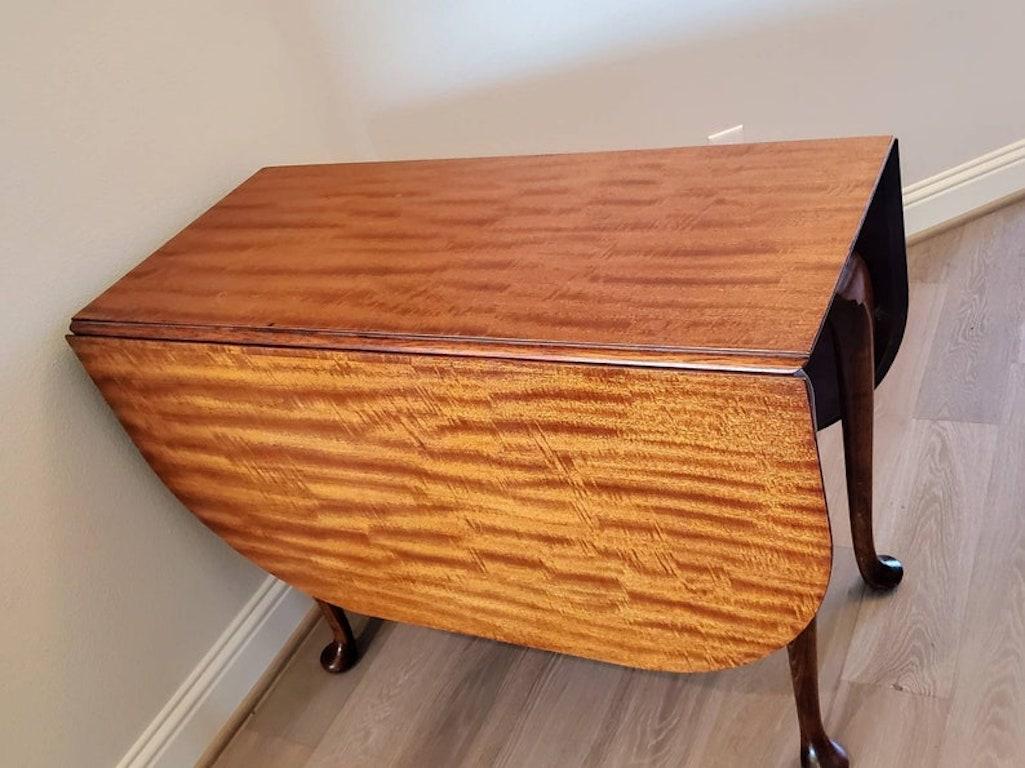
(662, 519)
(973, 680)
(651, 356)
(732, 248)
(984, 297)
(991, 710)
(513, 707)
(909, 638)
(896, 728)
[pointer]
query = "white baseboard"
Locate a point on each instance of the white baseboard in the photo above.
(957, 192)
(194, 716)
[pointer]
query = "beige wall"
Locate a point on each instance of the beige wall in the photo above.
(465, 78)
(123, 120)
(120, 122)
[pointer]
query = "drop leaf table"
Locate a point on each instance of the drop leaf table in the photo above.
(565, 401)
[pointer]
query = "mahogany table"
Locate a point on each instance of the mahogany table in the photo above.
(564, 401)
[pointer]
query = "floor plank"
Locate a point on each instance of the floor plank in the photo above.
(251, 747)
(908, 639)
(401, 689)
(930, 261)
(883, 727)
(988, 709)
(966, 375)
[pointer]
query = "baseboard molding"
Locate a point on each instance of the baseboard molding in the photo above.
(970, 188)
(196, 714)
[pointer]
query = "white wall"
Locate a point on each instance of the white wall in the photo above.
(121, 121)
(481, 76)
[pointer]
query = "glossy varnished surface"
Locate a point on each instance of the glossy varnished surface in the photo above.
(555, 353)
(664, 519)
(733, 248)
(930, 676)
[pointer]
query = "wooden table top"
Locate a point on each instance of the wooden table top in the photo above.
(670, 520)
(720, 250)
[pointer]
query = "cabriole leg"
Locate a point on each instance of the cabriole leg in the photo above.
(850, 322)
(340, 654)
(817, 749)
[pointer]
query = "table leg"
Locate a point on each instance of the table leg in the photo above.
(340, 654)
(850, 322)
(817, 749)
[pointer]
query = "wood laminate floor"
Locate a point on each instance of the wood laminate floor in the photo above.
(931, 676)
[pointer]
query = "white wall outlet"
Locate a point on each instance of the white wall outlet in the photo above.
(734, 135)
